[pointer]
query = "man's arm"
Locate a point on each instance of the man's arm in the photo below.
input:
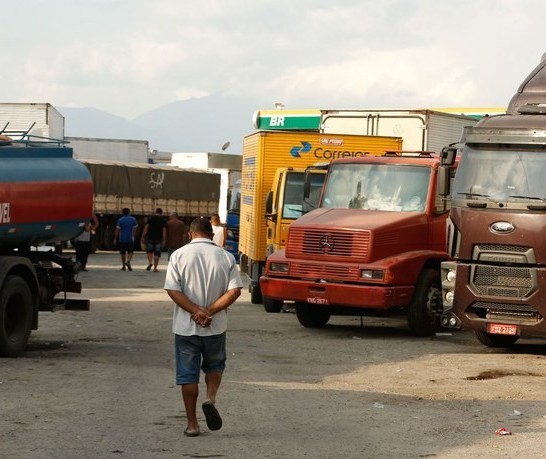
(225, 301)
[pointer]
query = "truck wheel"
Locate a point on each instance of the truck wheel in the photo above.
(496, 340)
(256, 295)
(16, 315)
(426, 305)
(311, 316)
(271, 305)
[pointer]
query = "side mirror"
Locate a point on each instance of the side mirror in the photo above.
(269, 203)
(444, 181)
(307, 185)
(448, 156)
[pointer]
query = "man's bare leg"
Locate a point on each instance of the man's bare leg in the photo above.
(213, 380)
(190, 392)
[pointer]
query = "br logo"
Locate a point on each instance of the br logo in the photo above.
(304, 148)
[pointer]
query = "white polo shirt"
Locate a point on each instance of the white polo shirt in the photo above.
(203, 272)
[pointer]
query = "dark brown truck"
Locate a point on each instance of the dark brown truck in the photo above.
(496, 284)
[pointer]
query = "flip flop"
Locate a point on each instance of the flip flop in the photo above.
(191, 433)
(212, 416)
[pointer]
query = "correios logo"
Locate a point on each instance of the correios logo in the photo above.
(322, 153)
(305, 147)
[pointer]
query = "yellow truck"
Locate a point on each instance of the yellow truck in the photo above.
(264, 153)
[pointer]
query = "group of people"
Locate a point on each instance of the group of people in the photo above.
(157, 235)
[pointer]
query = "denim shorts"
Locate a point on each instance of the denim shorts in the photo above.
(193, 353)
(153, 246)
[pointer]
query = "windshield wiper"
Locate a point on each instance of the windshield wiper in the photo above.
(527, 197)
(472, 195)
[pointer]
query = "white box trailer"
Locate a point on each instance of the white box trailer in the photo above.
(421, 130)
(35, 119)
(126, 151)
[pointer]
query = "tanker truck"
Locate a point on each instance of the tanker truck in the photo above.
(46, 197)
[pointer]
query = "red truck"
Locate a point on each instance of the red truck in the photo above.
(373, 247)
(46, 197)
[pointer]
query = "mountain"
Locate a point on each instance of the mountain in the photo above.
(194, 125)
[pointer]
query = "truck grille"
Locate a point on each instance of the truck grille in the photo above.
(304, 242)
(509, 282)
(502, 248)
(520, 313)
(319, 271)
(497, 253)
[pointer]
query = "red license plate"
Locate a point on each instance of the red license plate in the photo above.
(502, 329)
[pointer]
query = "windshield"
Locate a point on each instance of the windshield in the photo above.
(501, 175)
(295, 205)
(386, 187)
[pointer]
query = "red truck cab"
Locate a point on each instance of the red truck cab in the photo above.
(374, 246)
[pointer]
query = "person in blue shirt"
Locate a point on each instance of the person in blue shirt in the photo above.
(124, 236)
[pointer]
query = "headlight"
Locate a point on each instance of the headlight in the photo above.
(451, 275)
(278, 267)
(375, 274)
(449, 297)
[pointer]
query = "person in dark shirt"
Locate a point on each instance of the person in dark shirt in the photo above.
(154, 237)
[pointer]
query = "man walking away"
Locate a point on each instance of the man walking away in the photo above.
(125, 237)
(203, 281)
(154, 237)
(177, 233)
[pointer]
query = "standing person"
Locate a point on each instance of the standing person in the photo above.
(177, 233)
(125, 237)
(203, 281)
(219, 231)
(154, 237)
(82, 242)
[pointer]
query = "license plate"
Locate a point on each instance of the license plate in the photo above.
(317, 300)
(502, 329)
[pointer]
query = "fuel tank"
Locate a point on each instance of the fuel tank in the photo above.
(45, 195)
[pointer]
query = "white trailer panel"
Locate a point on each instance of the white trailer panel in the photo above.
(125, 151)
(48, 122)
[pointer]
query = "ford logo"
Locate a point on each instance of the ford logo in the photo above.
(502, 227)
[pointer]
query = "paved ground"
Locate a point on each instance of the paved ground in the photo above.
(99, 384)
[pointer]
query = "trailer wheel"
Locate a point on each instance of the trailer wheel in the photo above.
(311, 316)
(496, 340)
(16, 315)
(256, 294)
(271, 305)
(426, 305)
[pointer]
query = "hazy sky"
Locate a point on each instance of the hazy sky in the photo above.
(130, 56)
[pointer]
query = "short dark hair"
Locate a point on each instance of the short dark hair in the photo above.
(159, 211)
(126, 211)
(202, 226)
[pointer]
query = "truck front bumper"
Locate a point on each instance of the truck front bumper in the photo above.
(363, 296)
(477, 306)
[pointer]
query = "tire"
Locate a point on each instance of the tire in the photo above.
(271, 305)
(16, 316)
(426, 305)
(312, 316)
(256, 294)
(496, 340)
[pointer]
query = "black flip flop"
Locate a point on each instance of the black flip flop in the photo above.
(213, 418)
